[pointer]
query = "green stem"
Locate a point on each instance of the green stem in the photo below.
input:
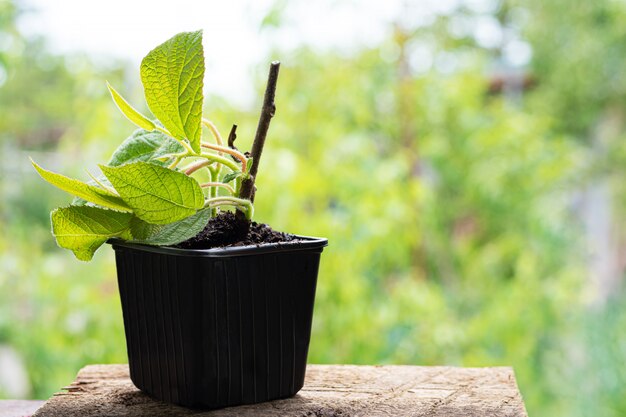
(196, 166)
(237, 185)
(213, 190)
(231, 201)
(175, 163)
(218, 184)
(221, 160)
(233, 152)
(218, 139)
(214, 131)
(165, 157)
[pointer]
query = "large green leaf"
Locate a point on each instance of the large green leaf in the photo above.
(142, 145)
(157, 195)
(83, 229)
(172, 75)
(86, 192)
(129, 111)
(145, 146)
(169, 234)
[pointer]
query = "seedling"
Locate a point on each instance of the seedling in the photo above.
(151, 189)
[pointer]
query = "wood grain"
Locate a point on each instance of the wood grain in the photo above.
(329, 390)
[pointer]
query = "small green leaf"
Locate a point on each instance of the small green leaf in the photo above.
(231, 176)
(145, 146)
(87, 192)
(173, 76)
(157, 195)
(169, 234)
(84, 229)
(129, 111)
(100, 179)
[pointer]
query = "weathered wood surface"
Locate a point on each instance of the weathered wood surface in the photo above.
(329, 390)
(19, 408)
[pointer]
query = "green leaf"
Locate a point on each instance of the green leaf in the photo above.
(77, 201)
(87, 192)
(231, 176)
(129, 111)
(172, 75)
(169, 234)
(140, 146)
(157, 195)
(84, 229)
(145, 146)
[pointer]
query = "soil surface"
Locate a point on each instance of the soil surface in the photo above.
(229, 230)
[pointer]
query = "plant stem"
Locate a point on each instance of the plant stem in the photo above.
(196, 166)
(267, 112)
(214, 131)
(232, 201)
(209, 159)
(218, 184)
(165, 157)
(214, 173)
(175, 163)
(241, 157)
(237, 185)
(220, 159)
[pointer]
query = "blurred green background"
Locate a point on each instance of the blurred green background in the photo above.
(467, 167)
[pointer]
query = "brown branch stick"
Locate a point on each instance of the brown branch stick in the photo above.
(267, 112)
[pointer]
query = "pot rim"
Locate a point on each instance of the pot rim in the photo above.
(309, 243)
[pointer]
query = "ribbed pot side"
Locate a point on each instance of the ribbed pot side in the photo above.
(218, 328)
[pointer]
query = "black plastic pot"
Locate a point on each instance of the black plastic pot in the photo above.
(218, 327)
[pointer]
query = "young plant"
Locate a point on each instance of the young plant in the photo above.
(149, 191)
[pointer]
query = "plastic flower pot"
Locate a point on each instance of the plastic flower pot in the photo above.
(221, 327)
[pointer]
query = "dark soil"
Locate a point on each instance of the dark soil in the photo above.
(227, 229)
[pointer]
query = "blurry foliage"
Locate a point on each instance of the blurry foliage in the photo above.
(46, 96)
(580, 53)
(59, 314)
(450, 212)
(449, 246)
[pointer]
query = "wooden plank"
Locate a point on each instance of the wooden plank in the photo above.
(19, 408)
(329, 390)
